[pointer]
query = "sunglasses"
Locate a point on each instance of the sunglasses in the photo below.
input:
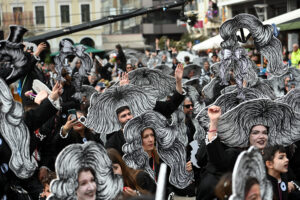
(188, 105)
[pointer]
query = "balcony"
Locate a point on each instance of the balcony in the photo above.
(152, 29)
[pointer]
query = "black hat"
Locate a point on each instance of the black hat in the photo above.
(16, 33)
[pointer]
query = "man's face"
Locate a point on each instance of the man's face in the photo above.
(214, 59)
(188, 107)
(78, 64)
(206, 66)
(124, 117)
(295, 47)
(129, 68)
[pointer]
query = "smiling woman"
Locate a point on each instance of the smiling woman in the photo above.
(86, 184)
(93, 177)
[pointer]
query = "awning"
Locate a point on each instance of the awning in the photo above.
(289, 26)
(232, 2)
(88, 50)
(215, 41)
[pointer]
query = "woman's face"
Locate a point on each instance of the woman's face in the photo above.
(78, 126)
(148, 139)
(259, 136)
(254, 193)
(117, 169)
(86, 186)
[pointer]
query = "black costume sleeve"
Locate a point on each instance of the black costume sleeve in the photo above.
(116, 141)
(201, 155)
(61, 143)
(47, 147)
(166, 108)
(35, 118)
(146, 182)
(223, 160)
(3, 184)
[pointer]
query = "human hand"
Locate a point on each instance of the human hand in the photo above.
(189, 166)
(43, 94)
(179, 72)
(69, 125)
(56, 91)
(214, 113)
(168, 43)
(40, 48)
(124, 80)
(43, 173)
(291, 187)
(130, 192)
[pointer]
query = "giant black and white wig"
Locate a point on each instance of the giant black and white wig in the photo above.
(261, 85)
(292, 98)
(229, 101)
(177, 122)
(236, 59)
(16, 134)
(153, 82)
(169, 148)
(265, 42)
(235, 125)
(165, 69)
(79, 51)
(88, 155)
(192, 68)
(102, 116)
(210, 90)
(250, 164)
(278, 83)
(13, 60)
(195, 98)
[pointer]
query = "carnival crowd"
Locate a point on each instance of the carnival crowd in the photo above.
(53, 121)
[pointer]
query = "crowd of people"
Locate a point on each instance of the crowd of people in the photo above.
(62, 147)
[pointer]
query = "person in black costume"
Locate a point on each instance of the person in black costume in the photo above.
(35, 73)
(18, 141)
(221, 159)
(74, 132)
(121, 58)
(116, 139)
(276, 162)
(17, 138)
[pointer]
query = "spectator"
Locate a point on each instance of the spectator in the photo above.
(74, 132)
(121, 57)
(276, 162)
(135, 181)
(174, 63)
(295, 57)
(129, 68)
(206, 68)
(187, 60)
(214, 58)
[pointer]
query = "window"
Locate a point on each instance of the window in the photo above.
(39, 15)
(65, 14)
(18, 12)
(85, 13)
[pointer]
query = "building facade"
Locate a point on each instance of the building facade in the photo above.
(40, 16)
